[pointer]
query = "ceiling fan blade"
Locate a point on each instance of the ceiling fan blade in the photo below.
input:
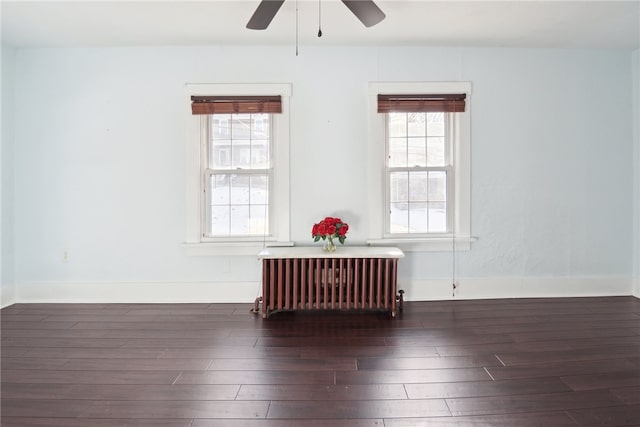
(263, 15)
(366, 11)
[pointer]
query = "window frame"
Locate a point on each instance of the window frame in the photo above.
(459, 235)
(196, 241)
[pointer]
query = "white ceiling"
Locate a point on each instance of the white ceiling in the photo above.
(572, 24)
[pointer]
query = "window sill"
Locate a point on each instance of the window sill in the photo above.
(229, 248)
(431, 244)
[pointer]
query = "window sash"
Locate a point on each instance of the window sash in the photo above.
(208, 172)
(448, 168)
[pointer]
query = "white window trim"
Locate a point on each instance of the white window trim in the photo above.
(462, 176)
(195, 242)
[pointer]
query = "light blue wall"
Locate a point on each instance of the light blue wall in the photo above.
(99, 156)
(7, 288)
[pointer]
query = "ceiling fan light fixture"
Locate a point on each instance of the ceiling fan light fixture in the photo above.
(365, 10)
(264, 14)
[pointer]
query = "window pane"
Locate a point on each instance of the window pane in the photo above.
(417, 153)
(416, 125)
(260, 154)
(220, 220)
(260, 126)
(437, 186)
(219, 187)
(239, 220)
(241, 126)
(418, 186)
(220, 154)
(418, 218)
(397, 124)
(259, 220)
(435, 151)
(437, 217)
(259, 190)
(435, 124)
(399, 186)
(239, 189)
(397, 152)
(399, 218)
(221, 126)
(241, 154)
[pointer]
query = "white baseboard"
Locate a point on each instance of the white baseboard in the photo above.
(138, 292)
(515, 287)
(7, 295)
(245, 292)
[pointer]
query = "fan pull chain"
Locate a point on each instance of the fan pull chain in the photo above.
(319, 18)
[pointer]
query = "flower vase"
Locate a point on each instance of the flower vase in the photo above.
(329, 246)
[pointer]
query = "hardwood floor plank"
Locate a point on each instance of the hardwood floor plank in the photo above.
(44, 408)
(534, 419)
(614, 416)
(413, 376)
(202, 324)
(191, 343)
(131, 392)
(451, 339)
(379, 363)
(94, 422)
(601, 342)
(485, 388)
(585, 333)
(289, 423)
(358, 409)
(68, 353)
(532, 402)
(10, 363)
(175, 409)
(24, 317)
(525, 358)
(606, 380)
(284, 364)
(312, 341)
(315, 392)
(492, 349)
(256, 377)
(128, 364)
(366, 351)
(560, 369)
(629, 395)
(64, 342)
(89, 377)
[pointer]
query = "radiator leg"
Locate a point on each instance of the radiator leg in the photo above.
(400, 299)
(256, 308)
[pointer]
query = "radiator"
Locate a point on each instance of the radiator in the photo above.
(329, 283)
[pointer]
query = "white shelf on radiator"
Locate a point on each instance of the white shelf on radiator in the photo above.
(340, 252)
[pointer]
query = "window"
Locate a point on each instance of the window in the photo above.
(237, 175)
(419, 171)
(419, 155)
(237, 171)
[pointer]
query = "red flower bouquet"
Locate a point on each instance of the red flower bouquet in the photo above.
(328, 229)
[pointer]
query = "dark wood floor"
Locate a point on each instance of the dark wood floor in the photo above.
(527, 362)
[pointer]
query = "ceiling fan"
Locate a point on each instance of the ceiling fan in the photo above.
(365, 10)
